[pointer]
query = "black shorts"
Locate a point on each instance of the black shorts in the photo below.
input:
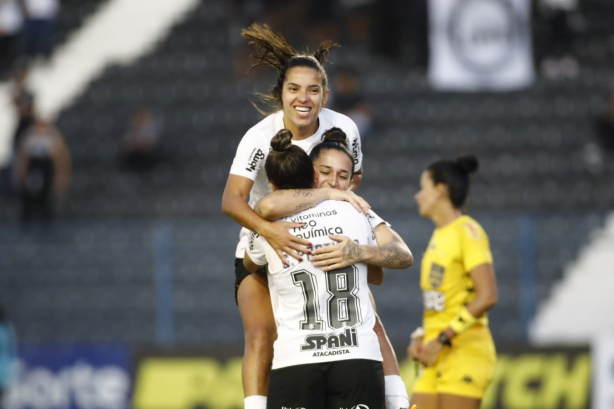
(353, 383)
(240, 274)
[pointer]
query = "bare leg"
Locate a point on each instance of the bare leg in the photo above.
(391, 365)
(260, 333)
(396, 394)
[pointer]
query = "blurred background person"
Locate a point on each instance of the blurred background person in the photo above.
(22, 99)
(140, 150)
(42, 171)
(563, 21)
(11, 24)
(458, 282)
(8, 355)
(605, 124)
(347, 99)
(23, 102)
(39, 29)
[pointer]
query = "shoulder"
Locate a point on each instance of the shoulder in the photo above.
(335, 119)
(344, 212)
(337, 205)
(263, 130)
(375, 220)
(470, 228)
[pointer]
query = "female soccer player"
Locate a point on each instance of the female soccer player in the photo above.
(298, 99)
(333, 163)
(458, 282)
(327, 354)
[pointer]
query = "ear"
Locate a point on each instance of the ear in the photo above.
(326, 95)
(442, 189)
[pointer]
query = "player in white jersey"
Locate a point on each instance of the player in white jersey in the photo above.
(333, 163)
(326, 354)
(298, 97)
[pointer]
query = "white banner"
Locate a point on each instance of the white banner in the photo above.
(603, 372)
(480, 45)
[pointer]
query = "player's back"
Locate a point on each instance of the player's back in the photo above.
(323, 316)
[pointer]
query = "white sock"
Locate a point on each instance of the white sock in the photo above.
(396, 393)
(255, 402)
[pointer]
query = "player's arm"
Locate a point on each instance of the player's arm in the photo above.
(486, 297)
(234, 205)
(390, 251)
(286, 202)
(63, 165)
(375, 274)
(485, 287)
(20, 168)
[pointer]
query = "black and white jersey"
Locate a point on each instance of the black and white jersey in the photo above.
(321, 316)
(256, 144)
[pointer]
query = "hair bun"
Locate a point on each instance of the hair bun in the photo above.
(282, 140)
(322, 53)
(468, 163)
(335, 135)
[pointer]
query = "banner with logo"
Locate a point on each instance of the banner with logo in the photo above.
(603, 358)
(525, 378)
(71, 377)
(480, 45)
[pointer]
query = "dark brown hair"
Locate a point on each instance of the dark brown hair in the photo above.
(288, 166)
(275, 51)
(332, 139)
(455, 175)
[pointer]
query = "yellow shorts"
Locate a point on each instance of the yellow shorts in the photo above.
(465, 369)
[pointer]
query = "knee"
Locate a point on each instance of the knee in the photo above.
(260, 337)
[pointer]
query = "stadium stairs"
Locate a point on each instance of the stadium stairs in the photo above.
(91, 275)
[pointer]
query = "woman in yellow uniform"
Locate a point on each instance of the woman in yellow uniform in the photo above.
(458, 282)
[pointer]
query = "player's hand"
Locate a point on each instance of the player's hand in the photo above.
(415, 348)
(345, 253)
(283, 242)
(429, 353)
(358, 202)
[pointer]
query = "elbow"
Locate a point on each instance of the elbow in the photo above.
(227, 205)
(225, 208)
(490, 301)
(494, 300)
(408, 260)
(265, 209)
(376, 280)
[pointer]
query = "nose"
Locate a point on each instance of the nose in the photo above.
(303, 96)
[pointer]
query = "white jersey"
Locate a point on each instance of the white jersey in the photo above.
(320, 316)
(256, 145)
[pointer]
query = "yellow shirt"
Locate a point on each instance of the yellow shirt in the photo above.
(453, 251)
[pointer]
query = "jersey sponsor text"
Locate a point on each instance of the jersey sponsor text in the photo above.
(318, 342)
(257, 156)
(331, 353)
(312, 229)
(434, 300)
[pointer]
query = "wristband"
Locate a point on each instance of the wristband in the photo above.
(462, 321)
(418, 333)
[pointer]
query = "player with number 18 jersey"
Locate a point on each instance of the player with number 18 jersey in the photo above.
(321, 316)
